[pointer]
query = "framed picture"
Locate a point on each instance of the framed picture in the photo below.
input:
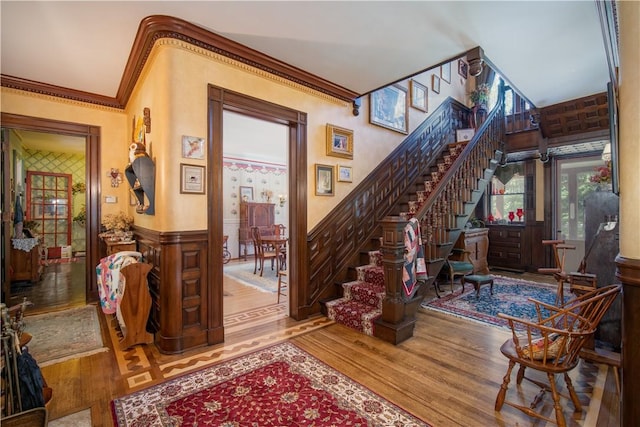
(435, 83)
(246, 194)
(324, 180)
(192, 179)
(418, 95)
(445, 72)
(344, 173)
(192, 147)
(465, 134)
(339, 142)
(388, 107)
(463, 68)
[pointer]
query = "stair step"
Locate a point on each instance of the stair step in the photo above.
(364, 292)
(354, 314)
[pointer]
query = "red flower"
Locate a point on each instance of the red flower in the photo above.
(603, 174)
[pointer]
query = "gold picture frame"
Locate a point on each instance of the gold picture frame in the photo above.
(339, 142)
(324, 180)
(345, 173)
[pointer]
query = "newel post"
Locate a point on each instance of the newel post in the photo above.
(395, 325)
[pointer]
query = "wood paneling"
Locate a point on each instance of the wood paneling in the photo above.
(582, 115)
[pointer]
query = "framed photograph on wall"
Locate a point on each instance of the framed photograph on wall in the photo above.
(324, 180)
(246, 194)
(445, 72)
(463, 68)
(344, 173)
(192, 147)
(192, 179)
(435, 83)
(389, 108)
(339, 142)
(419, 96)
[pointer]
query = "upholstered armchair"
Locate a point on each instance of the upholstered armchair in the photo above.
(458, 264)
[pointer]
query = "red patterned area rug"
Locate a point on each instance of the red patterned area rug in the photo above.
(278, 386)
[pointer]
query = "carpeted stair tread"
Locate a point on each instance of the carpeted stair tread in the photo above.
(353, 314)
(364, 292)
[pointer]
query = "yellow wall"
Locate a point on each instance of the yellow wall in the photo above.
(174, 86)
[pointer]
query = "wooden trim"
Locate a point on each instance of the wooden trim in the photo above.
(575, 117)
(92, 162)
(156, 27)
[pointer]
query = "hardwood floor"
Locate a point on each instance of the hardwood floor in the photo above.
(448, 374)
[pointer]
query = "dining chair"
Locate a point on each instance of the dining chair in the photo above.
(552, 345)
(459, 264)
(262, 252)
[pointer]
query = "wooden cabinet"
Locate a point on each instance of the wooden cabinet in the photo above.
(114, 247)
(253, 214)
(476, 241)
(25, 264)
(506, 247)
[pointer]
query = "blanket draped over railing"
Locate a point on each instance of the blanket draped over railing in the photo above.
(414, 265)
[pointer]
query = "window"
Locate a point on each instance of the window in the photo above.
(507, 194)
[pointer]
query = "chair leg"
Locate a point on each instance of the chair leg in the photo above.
(505, 385)
(572, 393)
(520, 375)
(556, 401)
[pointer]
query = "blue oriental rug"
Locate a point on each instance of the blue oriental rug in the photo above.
(510, 296)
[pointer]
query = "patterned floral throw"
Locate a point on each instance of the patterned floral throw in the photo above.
(510, 296)
(278, 386)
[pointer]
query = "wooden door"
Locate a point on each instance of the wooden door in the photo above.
(49, 202)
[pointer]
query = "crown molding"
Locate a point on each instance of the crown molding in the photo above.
(156, 27)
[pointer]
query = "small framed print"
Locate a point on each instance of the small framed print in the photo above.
(418, 95)
(246, 194)
(339, 142)
(435, 83)
(463, 68)
(192, 147)
(465, 134)
(344, 173)
(445, 72)
(192, 179)
(324, 180)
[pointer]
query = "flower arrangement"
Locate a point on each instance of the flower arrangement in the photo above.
(480, 95)
(78, 187)
(602, 175)
(117, 222)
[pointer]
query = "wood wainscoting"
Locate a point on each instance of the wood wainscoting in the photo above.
(182, 313)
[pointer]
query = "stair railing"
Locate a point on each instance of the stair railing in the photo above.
(445, 211)
(334, 244)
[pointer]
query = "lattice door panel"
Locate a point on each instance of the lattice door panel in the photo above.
(49, 203)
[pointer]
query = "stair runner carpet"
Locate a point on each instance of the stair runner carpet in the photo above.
(361, 303)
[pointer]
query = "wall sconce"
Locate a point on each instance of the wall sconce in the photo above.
(606, 152)
(283, 199)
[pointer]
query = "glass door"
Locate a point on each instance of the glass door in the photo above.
(48, 202)
(572, 186)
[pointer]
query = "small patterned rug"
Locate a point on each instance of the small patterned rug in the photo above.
(510, 296)
(243, 273)
(281, 385)
(64, 335)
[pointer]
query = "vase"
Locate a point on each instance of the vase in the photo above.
(512, 215)
(520, 213)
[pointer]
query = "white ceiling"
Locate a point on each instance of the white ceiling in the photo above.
(551, 51)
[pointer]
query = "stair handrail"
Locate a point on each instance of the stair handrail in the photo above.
(418, 151)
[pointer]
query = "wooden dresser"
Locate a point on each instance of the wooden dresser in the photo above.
(476, 241)
(26, 264)
(253, 214)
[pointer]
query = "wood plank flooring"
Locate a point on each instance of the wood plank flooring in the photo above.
(448, 374)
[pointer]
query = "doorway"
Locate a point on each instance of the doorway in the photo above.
(255, 174)
(572, 187)
(89, 138)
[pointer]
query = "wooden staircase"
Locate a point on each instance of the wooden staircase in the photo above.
(442, 198)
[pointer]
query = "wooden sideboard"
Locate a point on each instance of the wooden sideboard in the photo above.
(476, 241)
(507, 248)
(253, 214)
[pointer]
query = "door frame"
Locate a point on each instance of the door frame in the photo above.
(219, 100)
(92, 175)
